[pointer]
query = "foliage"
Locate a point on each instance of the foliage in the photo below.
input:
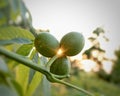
(115, 78)
(97, 33)
(11, 34)
(88, 81)
(96, 53)
(17, 79)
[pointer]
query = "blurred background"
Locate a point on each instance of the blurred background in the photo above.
(97, 67)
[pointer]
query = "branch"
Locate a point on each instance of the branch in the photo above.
(51, 77)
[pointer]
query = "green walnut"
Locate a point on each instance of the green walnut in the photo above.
(61, 66)
(72, 43)
(46, 44)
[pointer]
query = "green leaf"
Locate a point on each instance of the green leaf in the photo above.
(15, 35)
(11, 32)
(14, 12)
(11, 85)
(46, 87)
(37, 78)
(22, 72)
(34, 83)
(3, 67)
(25, 14)
(2, 18)
(4, 71)
(6, 91)
(16, 40)
(14, 9)
(17, 87)
(25, 49)
(7, 79)
(22, 76)
(3, 3)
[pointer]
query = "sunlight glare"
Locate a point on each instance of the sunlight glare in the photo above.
(60, 52)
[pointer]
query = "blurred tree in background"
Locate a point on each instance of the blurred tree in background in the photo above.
(95, 52)
(115, 74)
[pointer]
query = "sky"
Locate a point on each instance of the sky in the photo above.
(63, 16)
